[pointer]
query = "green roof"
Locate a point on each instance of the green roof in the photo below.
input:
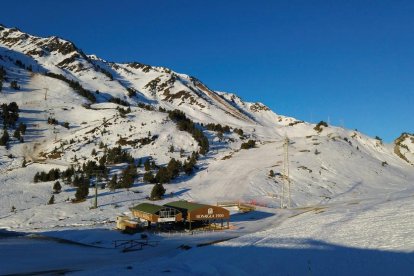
(148, 208)
(182, 204)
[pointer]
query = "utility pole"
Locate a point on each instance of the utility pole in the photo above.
(97, 174)
(46, 89)
(96, 194)
(285, 201)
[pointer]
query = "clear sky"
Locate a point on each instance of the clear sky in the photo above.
(349, 62)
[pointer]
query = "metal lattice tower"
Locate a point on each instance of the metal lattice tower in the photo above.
(285, 201)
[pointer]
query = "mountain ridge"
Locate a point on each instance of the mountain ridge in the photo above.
(78, 107)
(71, 62)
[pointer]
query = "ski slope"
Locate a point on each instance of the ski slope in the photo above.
(351, 194)
(367, 236)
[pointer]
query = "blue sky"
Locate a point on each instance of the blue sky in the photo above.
(349, 62)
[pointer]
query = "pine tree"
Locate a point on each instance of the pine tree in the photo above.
(174, 168)
(83, 190)
(36, 177)
(147, 165)
(189, 165)
(248, 145)
(162, 176)
(149, 177)
(16, 134)
(13, 84)
(157, 192)
(127, 181)
(13, 107)
(128, 176)
(51, 200)
(102, 161)
(22, 128)
(57, 188)
(4, 138)
(68, 173)
(113, 183)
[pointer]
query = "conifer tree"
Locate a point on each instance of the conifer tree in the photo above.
(16, 134)
(57, 188)
(51, 200)
(22, 128)
(13, 84)
(248, 145)
(4, 138)
(147, 165)
(36, 177)
(149, 177)
(113, 183)
(157, 192)
(83, 190)
(162, 176)
(128, 176)
(174, 168)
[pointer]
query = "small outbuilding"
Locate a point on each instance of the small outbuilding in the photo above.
(200, 212)
(125, 223)
(156, 213)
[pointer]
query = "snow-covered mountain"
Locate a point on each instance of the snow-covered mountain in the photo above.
(84, 94)
(133, 82)
(351, 193)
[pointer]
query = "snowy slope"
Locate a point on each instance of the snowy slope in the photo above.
(358, 237)
(325, 165)
(367, 237)
(348, 177)
(157, 85)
